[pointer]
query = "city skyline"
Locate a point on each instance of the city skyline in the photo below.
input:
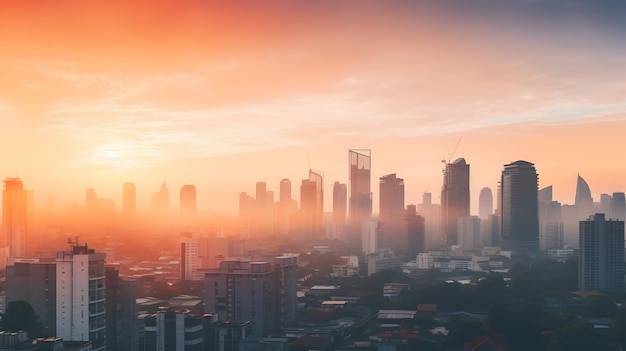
(146, 95)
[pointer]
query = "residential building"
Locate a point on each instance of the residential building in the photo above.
(601, 254)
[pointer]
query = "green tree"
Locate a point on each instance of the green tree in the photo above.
(598, 306)
(462, 330)
(20, 315)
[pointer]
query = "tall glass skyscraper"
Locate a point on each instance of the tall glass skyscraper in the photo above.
(360, 186)
(455, 198)
(520, 214)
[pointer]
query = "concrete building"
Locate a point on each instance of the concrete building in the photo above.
(370, 237)
(485, 203)
(81, 296)
(34, 280)
(121, 312)
(469, 233)
(259, 290)
(414, 227)
(519, 208)
(391, 212)
(601, 254)
(455, 198)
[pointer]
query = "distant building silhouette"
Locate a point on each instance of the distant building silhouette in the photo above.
(413, 226)
(91, 199)
(15, 218)
(129, 200)
(601, 254)
(551, 228)
(469, 232)
(312, 204)
(160, 200)
(618, 207)
(432, 218)
(285, 190)
(391, 212)
(583, 199)
(360, 186)
(188, 200)
(455, 198)
(520, 217)
(340, 202)
(485, 203)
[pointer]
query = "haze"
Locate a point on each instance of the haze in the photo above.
(222, 94)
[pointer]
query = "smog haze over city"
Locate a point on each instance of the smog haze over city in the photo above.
(336, 175)
(221, 94)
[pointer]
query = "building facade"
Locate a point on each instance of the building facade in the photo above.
(455, 198)
(601, 254)
(519, 208)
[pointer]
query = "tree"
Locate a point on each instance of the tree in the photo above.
(598, 306)
(20, 315)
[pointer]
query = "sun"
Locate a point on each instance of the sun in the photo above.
(112, 154)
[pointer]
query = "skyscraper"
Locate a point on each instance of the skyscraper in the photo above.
(485, 203)
(601, 254)
(160, 200)
(81, 296)
(91, 199)
(188, 200)
(391, 211)
(432, 219)
(129, 200)
(469, 232)
(340, 202)
(520, 217)
(15, 217)
(583, 200)
(360, 186)
(618, 207)
(455, 198)
(285, 190)
(415, 231)
(312, 204)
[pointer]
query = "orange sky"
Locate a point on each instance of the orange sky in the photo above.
(222, 94)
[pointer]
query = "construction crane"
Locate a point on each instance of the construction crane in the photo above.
(444, 161)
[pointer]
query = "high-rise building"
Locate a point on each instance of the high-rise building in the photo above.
(583, 200)
(121, 312)
(469, 232)
(81, 296)
(188, 200)
(485, 203)
(285, 190)
(340, 202)
(455, 198)
(312, 204)
(520, 214)
(391, 212)
(263, 291)
(413, 226)
(370, 236)
(34, 280)
(189, 259)
(246, 214)
(432, 218)
(601, 254)
(160, 200)
(618, 207)
(360, 186)
(129, 200)
(91, 198)
(15, 217)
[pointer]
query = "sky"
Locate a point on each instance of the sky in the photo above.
(221, 94)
